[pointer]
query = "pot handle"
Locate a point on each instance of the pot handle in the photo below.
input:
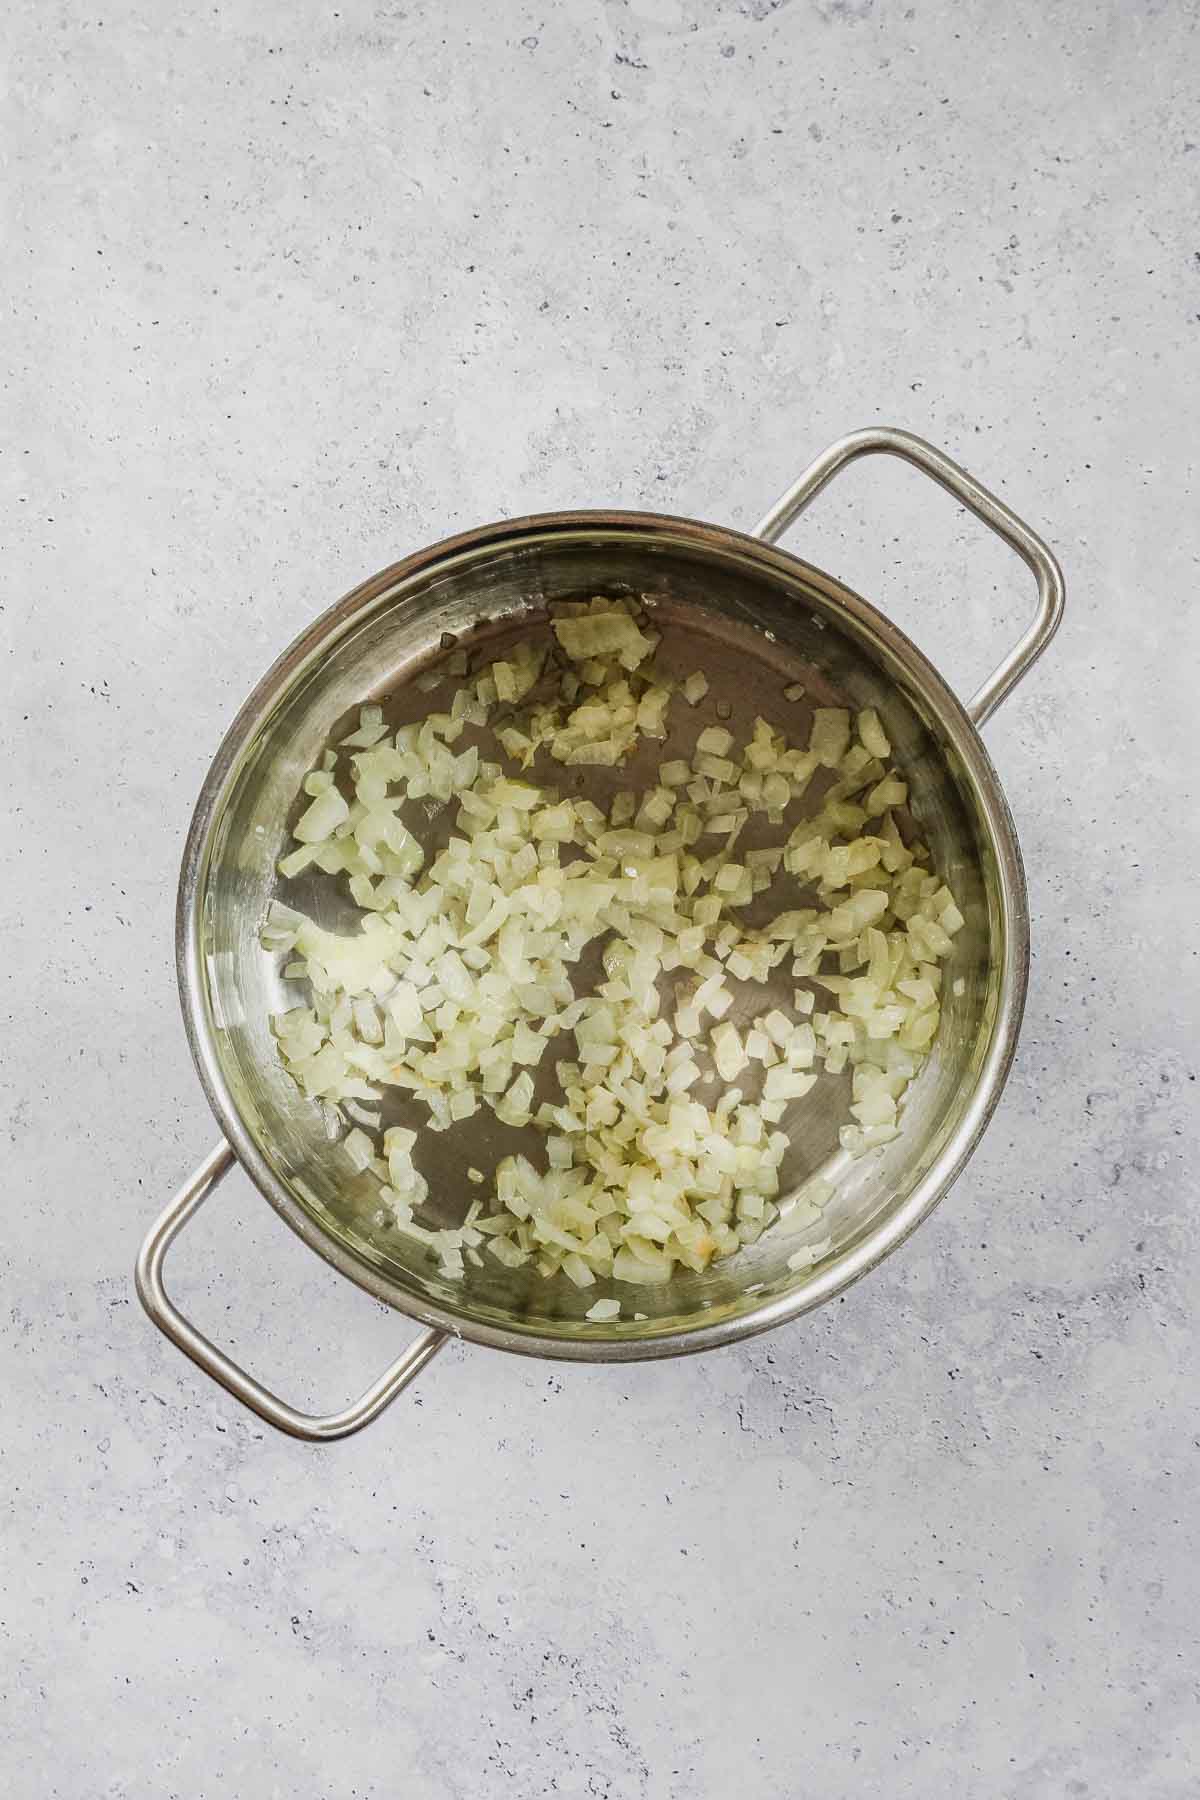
(314, 1428)
(887, 440)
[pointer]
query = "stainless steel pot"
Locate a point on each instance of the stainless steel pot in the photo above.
(755, 618)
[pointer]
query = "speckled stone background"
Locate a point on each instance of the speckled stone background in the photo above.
(293, 289)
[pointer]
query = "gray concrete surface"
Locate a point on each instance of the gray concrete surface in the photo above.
(294, 288)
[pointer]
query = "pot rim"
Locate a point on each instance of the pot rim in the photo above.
(842, 1270)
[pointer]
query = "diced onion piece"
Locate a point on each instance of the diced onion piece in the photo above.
(830, 735)
(715, 740)
(871, 734)
(728, 1052)
(809, 1254)
(322, 818)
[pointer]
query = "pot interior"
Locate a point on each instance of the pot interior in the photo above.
(755, 620)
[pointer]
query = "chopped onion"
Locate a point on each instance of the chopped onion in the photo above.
(462, 970)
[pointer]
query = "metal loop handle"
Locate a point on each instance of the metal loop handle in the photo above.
(314, 1428)
(886, 440)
